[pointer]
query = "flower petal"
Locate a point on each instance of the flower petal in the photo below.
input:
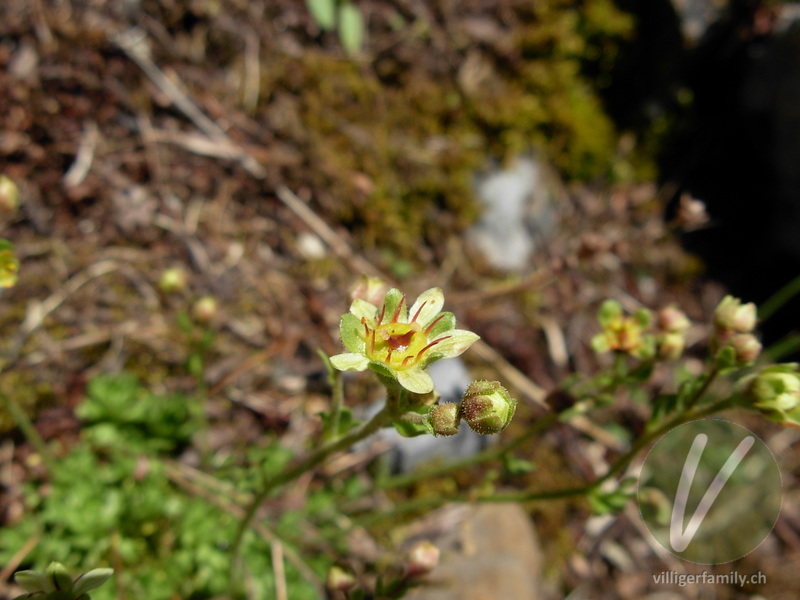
(362, 308)
(427, 307)
(415, 380)
(352, 331)
(392, 304)
(455, 342)
(350, 362)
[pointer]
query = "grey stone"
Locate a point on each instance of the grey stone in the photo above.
(519, 208)
(491, 552)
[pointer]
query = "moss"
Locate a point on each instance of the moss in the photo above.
(392, 144)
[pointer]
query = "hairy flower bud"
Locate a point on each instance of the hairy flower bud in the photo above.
(205, 309)
(445, 419)
(746, 346)
(487, 407)
(422, 559)
(670, 345)
(731, 315)
(339, 580)
(173, 280)
(672, 320)
(9, 195)
(776, 392)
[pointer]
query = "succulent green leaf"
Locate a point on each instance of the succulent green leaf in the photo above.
(324, 12)
(351, 27)
(91, 580)
(351, 329)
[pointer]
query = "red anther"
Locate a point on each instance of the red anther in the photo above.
(434, 322)
(383, 310)
(419, 310)
(397, 310)
(431, 345)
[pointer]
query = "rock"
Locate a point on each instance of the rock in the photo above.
(491, 551)
(519, 208)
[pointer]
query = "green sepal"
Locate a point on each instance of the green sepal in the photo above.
(350, 328)
(91, 580)
(31, 581)
(414, 422)
(725, 359)
(381, 369)
(60, 577)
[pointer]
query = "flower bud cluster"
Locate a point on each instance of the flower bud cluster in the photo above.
(672, 326)
(775, 392)
(486, 406)
(624, 334)
(734, 323)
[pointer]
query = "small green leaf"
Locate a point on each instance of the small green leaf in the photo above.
(517, 466)
(351, 27)
(324, 12)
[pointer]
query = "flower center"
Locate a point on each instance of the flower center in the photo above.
(399, 345)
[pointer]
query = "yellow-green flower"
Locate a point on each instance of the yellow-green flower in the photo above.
(398, 342)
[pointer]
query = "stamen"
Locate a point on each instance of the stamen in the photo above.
(406, 359)
(372, 344)
(419, 310)
(383, 310)
(431, 345)
(433, 323)
(389, 357)
(366, 328)
(397, 310)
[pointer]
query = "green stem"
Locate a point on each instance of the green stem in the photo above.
(290, 474)
(29, 431)
(482, 456)
(779, 298)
